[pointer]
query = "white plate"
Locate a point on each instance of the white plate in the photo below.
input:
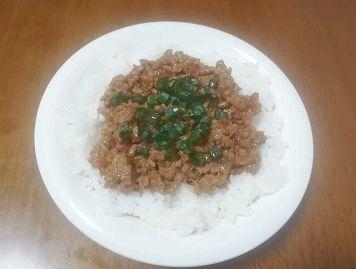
(93, 66)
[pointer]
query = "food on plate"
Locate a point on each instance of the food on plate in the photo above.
(173, 121)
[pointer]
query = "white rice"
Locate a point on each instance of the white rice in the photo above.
(185, 212)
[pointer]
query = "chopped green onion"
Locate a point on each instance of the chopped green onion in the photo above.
(143, 150)
(183, 95)
(213, 83)
(182, 105)
(181, 128)
(162, 142)
(198, 97)
(170, 131)
(195, 81)
(120, 98)
(212, 95)
(153, 117)
(185, 146)
(214, 101)
(205, 120)
(162, 84)
(210, 91)
(203, 128)
(173, 113)
(125, 130)
(220, 114)
(196, 136)
(144, 132)
(198, 158)
(206, 130)
(140, 99)
(141, 114)
(186, 84)
(215, 153)
(195, 111)
(201, 131)
(174, 100)
(163, 98)
(152, 100)
(171, 82)
(166, 136)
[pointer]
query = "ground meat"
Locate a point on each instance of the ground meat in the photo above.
(119, 172)
(115, 157)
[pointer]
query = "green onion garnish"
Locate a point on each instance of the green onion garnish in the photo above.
(215, 153)
(143, 150)
(173, 113)
(162, 84)
(198, 158)
(120, 98)
(140, 99)
(125, 130)
(185, 122)
(141, 114)
(220, 114)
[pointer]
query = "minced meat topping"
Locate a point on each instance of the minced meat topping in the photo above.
(173, 121)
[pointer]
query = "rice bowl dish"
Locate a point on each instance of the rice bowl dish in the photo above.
(186, 212)
(68, 126)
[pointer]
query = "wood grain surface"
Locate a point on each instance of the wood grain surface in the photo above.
(314, 42)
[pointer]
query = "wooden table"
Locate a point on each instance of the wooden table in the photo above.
(314, 42)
